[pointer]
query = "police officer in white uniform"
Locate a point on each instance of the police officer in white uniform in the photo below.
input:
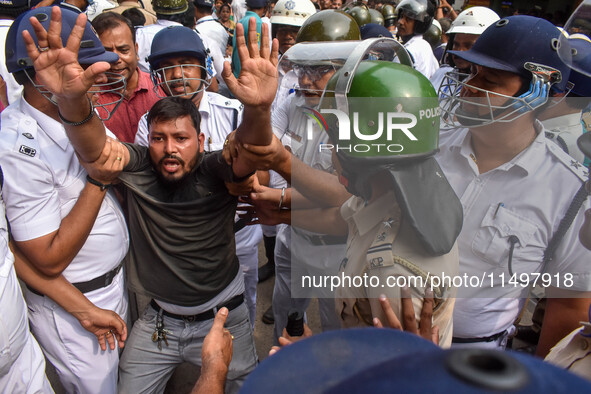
(516, 188)
(219, 117)
(414, 19)
(60, 218)
(22, 366)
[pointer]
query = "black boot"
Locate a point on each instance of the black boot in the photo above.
(268, 317)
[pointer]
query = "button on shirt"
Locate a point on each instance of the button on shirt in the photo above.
(43, 180)
(526, 197)
(422, 54)
(219, 117)
(124, 121)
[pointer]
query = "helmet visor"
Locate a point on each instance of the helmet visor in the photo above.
(577, 57)
(183, 80)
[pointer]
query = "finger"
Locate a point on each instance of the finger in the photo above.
(102, 342)
(426, 320)
(408, 312)
(110, 340)
(30, 46)
(275, 52)
(220, 319)
(274, 350)
(253, 39)
(228, 75)
(54, 33)
(435, 335)
(73, 43)
(40, 31)
(93, 72)
(284, 341)
(377, 323)
(264, 41)
(391, 317)
(241, 43)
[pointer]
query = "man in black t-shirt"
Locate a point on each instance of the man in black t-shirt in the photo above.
(181, 214)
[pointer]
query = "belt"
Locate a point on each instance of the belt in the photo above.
(93, 284)
(231, 304)
(490, 338)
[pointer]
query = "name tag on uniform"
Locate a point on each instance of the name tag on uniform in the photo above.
(26, 150)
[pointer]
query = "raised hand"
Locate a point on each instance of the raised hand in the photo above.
(257, 83)
(56, 66)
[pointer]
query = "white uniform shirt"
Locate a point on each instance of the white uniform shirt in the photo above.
(13, 89)
(565, 130)
(437, 78)
(216, 36)
(13, 319)
(526, 197)
(422, 54)
(219, 114)
(144, 36)
(42, 182)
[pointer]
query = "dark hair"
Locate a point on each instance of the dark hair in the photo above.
(225, 4)
(172, 108)
(135, 16)
(110, 20)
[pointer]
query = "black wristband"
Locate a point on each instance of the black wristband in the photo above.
(69, 123)
(97, 183)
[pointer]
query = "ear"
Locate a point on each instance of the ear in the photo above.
(136, 51)
(201, 142)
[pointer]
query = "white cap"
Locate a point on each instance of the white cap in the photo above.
(473, 20)
(292, 12)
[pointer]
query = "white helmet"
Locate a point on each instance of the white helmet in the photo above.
(473, 20)
(292, 12)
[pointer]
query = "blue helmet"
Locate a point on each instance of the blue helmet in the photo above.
(91, 51)
(523, 45)
(175, 41)
(513, 42)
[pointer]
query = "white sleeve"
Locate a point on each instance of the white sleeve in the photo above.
(141, 137)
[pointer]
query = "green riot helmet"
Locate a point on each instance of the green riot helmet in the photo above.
(376, 17)
(393, 113)
(389, 14)
(433, 34)
(361, 14)
(329, 25)
(383, 119)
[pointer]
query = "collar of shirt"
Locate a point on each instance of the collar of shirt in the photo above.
(368, 216)
(144, 81)
(164, 22)
(529, 159)
(204, 104)
(205, 19)
(51, 127)
(563, 122)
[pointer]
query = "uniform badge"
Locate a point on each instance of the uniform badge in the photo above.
(26, 150)
(28, 135)
(290, 5)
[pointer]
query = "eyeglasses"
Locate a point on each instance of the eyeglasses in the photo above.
(313, 72)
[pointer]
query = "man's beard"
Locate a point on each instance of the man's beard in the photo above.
(176, 183)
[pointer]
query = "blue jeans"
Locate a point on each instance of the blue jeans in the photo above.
(144, 368)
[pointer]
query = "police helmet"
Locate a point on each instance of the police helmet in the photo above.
(175, 41)
(329, 25)
(421, 11)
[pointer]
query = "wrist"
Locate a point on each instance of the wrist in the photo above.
(75, 112)
(97, 183)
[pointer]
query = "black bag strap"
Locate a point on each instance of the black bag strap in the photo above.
(564, 225)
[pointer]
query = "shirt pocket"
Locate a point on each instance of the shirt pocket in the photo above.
(500, 226)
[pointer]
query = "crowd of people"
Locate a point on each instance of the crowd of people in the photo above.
(410, 165)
